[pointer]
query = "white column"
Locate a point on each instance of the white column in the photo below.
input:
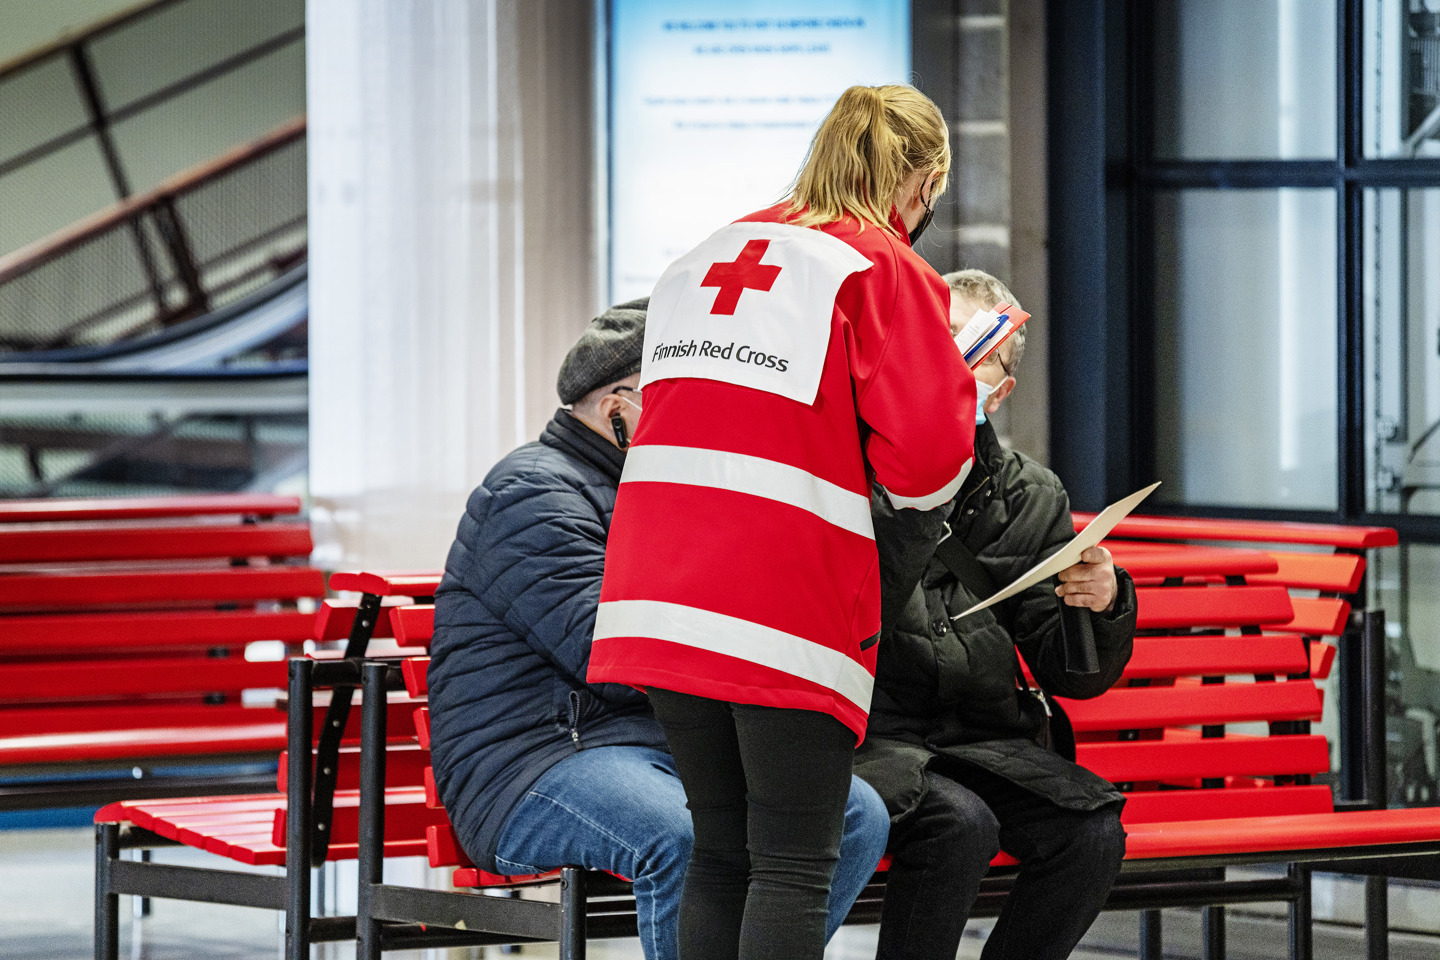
(451, 254)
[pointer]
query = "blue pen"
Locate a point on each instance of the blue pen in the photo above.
(999, 322)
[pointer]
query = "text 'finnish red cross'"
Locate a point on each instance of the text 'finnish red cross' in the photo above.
(745, 272)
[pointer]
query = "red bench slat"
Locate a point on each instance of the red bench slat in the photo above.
(239, 827)
(1139, 708)
(1341, 536)
(405, 764)
(1143, 806)
(394, 583)
(406, 817)
(138, 743)
(422, 727)
(1169, 608)
(1327, 572)
(137, 677)
(1147, 760)
(94, 632)
(416, 673)
(67, 590)
(1149, 561)
(414, 624)
(143, 715)
(1322, 658)
(443, 847)
(94, 543)
(399, 718)
(146, 508)
(1182, 656)
(334, 619)
(1316, 831)
(1319, 616)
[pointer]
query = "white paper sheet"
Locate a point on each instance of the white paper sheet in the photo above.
(1068, 555)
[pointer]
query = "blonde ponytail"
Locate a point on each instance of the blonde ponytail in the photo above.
(873, 139)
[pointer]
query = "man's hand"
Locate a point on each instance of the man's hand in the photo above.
(1091, 582)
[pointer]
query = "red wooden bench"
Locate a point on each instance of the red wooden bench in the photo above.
(1201, 795)
(1323, 566)
(1160, 871)
(134, 636)
(258, 829)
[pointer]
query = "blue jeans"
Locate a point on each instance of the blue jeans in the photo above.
(622, 809)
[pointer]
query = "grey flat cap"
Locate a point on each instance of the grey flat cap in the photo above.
(608, 350)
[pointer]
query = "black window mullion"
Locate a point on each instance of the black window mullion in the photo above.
(1350, 372)
(1141, 302)
(1237, 174)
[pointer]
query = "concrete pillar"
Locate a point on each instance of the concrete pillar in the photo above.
(452, 256)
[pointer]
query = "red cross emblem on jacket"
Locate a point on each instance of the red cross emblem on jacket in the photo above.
(734, 277)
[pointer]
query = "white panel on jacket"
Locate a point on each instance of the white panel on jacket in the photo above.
(751, 306)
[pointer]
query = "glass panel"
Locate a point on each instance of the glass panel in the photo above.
(1402, 317)
(206, 121)
(1402, 79)
(41, 197)
(728, 94)
(180, 40)
(1245, 78)
(38, 104)
(1245, 351)
(1405, 583)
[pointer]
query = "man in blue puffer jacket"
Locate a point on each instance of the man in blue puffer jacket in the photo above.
(537, 768)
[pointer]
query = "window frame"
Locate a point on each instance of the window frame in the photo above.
(1104, 178)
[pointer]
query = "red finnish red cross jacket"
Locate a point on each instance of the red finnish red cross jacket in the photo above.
(779, 362)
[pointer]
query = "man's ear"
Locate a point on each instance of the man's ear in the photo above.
(608, 406)
(998, 397)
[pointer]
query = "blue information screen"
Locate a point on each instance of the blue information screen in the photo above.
(712, 107)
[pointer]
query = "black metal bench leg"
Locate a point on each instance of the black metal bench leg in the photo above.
(142, 904)
(1377, 918)
(1152, 946)
(1212, 928)
(107, 904)
(1301, 939)
(572, 914)
(298, 820)
(372, 810)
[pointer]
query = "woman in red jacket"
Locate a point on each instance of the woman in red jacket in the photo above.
(792, 359)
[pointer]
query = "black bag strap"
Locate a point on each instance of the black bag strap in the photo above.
(1077, 631)
(962, 563)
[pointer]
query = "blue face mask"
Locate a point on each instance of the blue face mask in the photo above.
(982, 394)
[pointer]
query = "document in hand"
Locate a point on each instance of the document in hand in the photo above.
(1068, 555)
(987, 330)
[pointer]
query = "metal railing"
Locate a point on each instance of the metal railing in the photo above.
(123, 100)
(200, 240)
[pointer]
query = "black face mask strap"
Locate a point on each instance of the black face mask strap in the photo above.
(924, 221)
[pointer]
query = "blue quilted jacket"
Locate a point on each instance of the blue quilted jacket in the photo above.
(514, 617)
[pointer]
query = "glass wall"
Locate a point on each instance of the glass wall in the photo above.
(1402, 324)
(1245, 305)
(1272, 262)
(1240, 78)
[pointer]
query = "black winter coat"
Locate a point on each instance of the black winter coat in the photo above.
(514, 618)
(946, 691)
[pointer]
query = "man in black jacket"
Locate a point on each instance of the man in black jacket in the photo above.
(537, 768)
(962, 751)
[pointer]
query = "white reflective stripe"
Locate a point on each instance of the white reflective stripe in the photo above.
(733, 637)
(939, 498)
(753, 475)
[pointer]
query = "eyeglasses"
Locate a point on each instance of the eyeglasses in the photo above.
(995, 358)
(634, 390)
